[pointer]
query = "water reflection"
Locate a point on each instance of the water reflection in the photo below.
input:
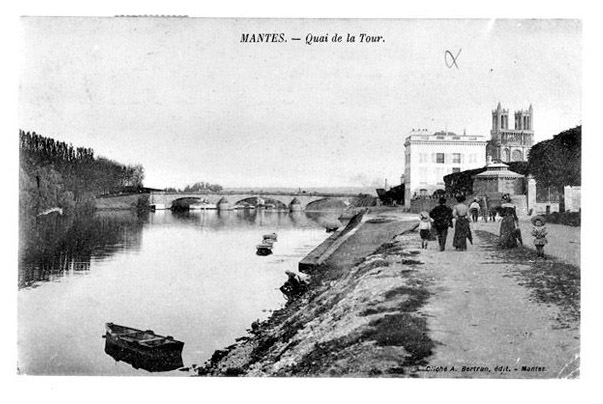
(217, 220)
(56, 245)
(138, 360)
(195, 274)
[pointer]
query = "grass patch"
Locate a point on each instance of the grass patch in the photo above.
(402, 330)
(415, 298)
(550, 281)
(322, 356)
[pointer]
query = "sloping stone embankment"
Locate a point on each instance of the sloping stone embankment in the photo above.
(359, 318)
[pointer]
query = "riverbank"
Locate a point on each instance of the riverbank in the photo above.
(359, 317)
(122, 202)
(381, 306)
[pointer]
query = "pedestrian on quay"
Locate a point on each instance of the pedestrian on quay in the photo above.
(539, 232)
(509, 230)
(442, 220)
(474, 209)
(424, 228)
(462, 231)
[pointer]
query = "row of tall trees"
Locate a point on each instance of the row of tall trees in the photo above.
(198, 187)
(56, 174)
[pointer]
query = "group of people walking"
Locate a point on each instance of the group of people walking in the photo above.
(442, 217)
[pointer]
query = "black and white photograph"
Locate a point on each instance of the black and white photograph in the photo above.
(373, 198)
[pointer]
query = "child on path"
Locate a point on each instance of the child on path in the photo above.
(539, 232)
(424, 228)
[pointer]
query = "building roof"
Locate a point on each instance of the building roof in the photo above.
(497, 170)
(423, 135)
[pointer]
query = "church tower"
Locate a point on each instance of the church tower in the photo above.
(511, 144)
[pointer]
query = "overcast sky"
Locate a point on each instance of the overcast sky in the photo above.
(190, 102)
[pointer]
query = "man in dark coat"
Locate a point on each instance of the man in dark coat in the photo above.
(442, 220)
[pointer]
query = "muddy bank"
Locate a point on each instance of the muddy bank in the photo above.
(360, 316)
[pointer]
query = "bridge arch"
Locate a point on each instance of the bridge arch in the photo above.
(328, 203)
(256, 202)
(186, 201)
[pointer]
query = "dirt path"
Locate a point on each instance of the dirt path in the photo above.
(563, 241)
(500, 312)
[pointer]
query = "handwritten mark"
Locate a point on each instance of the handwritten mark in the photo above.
(452, 60)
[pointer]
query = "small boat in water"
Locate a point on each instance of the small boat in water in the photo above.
(143, 341)
(241, 206)
(203, 206)
(264, 249)
(143, 349)
(271, 236)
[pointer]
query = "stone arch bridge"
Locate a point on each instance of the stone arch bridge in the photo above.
(306, 200)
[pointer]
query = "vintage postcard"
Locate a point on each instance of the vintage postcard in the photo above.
(373, 198)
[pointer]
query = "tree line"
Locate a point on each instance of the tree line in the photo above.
(557, 162)
(56, 174)
(197, 187)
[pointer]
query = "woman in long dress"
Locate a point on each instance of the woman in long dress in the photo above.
(509, 223)
(462, 231)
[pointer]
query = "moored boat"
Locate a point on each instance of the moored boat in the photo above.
(264, 249)
(145, 342)
(203, 206)
(271, 236)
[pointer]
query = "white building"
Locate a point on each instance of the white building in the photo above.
(429, 157)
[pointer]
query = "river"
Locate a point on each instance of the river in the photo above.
(192, 275)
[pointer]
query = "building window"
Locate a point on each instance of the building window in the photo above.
(456, 169)
(440, 158)
(440, 137)
(517, 155)
(423, 157)
(505, 155)
(456, 158)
